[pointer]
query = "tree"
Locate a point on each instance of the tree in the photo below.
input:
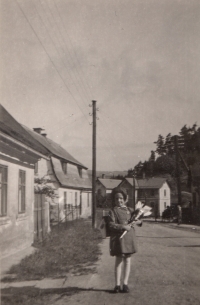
(160, 150)
(41, 186)
(165, 165)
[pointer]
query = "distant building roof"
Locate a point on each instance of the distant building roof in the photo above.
(53, 147)
(10, 127)
(110, 183)
(109, 174)
(147, 183)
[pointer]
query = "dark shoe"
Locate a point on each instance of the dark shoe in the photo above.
(125, 288)
(117, 289)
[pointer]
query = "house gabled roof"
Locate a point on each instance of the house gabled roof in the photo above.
(151, 183)
(130, 181)
(10, 127)
(109, 183)
(71, 179)
(54, 148)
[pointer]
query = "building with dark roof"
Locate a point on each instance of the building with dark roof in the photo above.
(66, 175)
(19, 152)
(155, 192)
(104, 188)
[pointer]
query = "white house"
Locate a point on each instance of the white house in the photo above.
(155, 192)
(19, 153)
(67, 176)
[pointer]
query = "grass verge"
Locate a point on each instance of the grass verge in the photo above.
(68, 248)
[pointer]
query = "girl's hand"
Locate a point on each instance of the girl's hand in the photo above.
(127, 227)
(139, 223)
(132, 224)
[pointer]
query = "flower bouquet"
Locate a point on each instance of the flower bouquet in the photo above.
(141, 210)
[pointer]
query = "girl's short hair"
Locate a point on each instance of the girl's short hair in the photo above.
(120, 190)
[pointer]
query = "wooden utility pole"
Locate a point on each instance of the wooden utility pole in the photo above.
(177, 170)
(133, 190)
(94, 165)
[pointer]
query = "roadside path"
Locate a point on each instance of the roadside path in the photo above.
(166, 271)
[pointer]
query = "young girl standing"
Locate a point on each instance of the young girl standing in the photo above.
(122, 248)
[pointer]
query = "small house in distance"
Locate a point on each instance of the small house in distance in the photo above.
(155, 192)
(104, 188)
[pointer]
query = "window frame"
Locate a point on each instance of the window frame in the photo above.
(76, 198)
(80, 171)
(22, 192)
(88, 200)
(4, 191)
(65, 199)
(64, 167)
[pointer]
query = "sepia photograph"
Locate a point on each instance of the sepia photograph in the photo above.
(100, 152)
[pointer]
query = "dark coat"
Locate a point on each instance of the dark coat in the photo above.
(126, 245)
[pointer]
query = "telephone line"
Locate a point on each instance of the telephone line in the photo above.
(56, 23)
(50, 36)
(48, 55)
(72, 48)
(66, 125)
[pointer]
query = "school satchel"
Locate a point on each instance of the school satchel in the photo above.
(104, 227)
(115, 245)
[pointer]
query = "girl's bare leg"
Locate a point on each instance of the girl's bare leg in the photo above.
(118, 270)
(127, 269)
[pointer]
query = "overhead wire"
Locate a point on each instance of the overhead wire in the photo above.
(52, 40)
(57, 70)
(70, 124)
(72, 75)
(86, 81)
(40, 41)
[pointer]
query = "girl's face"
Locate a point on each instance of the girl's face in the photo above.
(119, 200)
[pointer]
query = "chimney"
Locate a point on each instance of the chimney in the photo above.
(44, 134)
(103, 176)
(38, 129)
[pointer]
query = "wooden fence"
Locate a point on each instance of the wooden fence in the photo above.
(60, 214)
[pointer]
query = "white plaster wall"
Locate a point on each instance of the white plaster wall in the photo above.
(16, 230)
(86, 204)
(164, 200)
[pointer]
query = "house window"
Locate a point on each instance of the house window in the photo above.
(88, 199)
(165, 205)
(71, 198)
(65, 200)
(3, 190)
(22, 191)
(64, 167)
(152, 193)
(36, 168)
(80, 171)
(76, 198)
(165, 192)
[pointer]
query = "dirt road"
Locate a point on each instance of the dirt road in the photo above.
(165, 271)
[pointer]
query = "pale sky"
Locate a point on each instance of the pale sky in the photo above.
(139, 59)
